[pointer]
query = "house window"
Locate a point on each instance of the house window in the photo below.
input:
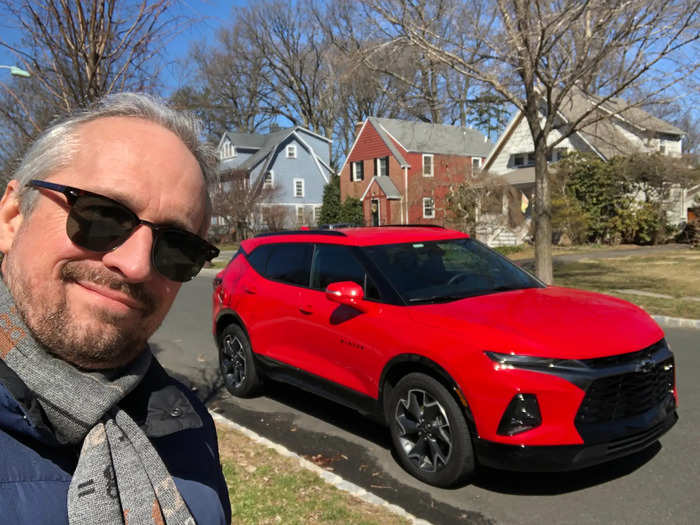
(227, 151)
(428, 208)
(381, 167)
(300, 215)
(298, 187)
(269, 180)
(476, 164)
(291, 151)
(357, 171)
(524, 159)
(662, 148)
(427, 165)
(316, 214)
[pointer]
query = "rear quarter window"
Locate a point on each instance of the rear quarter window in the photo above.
(288, 263)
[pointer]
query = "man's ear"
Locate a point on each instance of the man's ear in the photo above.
(10, 216)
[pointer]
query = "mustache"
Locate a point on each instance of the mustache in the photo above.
(75, 271)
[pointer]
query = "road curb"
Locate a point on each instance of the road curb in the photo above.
(676, 322)
(328, 477)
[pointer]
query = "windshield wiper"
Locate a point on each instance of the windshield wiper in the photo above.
(456, 297)
(440, 298)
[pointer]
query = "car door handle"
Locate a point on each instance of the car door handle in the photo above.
(252, 290)
(306, 309)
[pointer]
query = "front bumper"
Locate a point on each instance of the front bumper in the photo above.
(573, 457)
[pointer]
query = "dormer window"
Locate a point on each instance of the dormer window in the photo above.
(292, 151)
(227, 151)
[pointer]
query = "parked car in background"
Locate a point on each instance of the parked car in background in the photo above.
(466, 357)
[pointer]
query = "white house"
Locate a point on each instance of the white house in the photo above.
(626, 130)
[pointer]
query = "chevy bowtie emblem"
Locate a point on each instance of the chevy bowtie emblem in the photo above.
(645, 366)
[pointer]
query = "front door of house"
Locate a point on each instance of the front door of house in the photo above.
(374, 207)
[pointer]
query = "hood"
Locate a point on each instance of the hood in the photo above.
(547, 322)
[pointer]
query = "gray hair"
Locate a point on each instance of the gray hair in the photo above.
(55, 148)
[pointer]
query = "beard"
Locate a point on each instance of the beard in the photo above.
(108, 340)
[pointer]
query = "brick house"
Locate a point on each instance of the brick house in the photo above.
(402, 171)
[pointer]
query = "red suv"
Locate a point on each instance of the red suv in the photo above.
(466, 357)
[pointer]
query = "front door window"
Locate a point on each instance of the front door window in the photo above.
(374, 207)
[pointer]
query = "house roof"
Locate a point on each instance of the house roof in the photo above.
(520, 177)
(386, 185)
(605, 136)
(246, 140)
(423, 137)
(265, 144)
(640, 118)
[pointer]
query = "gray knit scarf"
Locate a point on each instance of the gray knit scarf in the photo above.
(120, 478)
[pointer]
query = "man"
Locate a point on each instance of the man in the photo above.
(101, 224)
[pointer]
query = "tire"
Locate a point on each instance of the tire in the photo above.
(429, 431)
(236, 362)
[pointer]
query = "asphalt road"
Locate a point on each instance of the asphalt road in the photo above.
(660, 485)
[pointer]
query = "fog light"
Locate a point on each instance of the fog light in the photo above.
(523, 413)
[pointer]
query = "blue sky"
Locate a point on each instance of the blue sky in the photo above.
(210, 14)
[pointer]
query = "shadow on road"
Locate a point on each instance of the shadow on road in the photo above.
(552, 483)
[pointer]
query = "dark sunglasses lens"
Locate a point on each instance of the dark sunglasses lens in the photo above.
(178, 255)
(99, 224)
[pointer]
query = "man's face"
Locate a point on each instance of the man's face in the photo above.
(97, 310)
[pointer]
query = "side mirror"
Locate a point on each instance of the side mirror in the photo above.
(347, 293)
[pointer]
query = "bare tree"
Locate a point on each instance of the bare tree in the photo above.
(77, 52)
(239, 203)
(231, 84)
(534, 53)
(303, 85)
(422, 86)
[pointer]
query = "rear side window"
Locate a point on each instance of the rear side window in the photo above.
(258, 259)
(289, 263)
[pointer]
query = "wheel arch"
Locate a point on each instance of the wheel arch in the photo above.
(404, 364)
(225, 318)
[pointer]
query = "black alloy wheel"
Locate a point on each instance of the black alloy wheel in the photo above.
(236, 362)
(429, 431)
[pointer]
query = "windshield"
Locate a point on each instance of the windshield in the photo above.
(440, 271)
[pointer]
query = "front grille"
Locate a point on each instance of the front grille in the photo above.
(625, 359)
(623, 395)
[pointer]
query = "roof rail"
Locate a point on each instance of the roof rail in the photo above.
(302, 232)
(338, 225)
(415, 226)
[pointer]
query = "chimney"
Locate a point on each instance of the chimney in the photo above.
(274, 127)
(358, 127)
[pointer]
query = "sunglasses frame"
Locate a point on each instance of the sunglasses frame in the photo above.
(73, 194)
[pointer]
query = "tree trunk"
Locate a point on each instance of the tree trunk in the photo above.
(543, 216)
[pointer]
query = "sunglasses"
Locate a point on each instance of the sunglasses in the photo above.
(100, 224)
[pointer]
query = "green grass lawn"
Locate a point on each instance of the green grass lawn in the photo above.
(676, 274)
(265, 487)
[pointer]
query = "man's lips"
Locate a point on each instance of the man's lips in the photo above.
(112, 294)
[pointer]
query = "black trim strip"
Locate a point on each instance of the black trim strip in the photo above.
(320, 386)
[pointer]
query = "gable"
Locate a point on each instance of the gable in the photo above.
(370, 145)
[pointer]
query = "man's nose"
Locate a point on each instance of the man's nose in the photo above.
(133, 257)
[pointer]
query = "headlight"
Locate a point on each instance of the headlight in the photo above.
(528, 361)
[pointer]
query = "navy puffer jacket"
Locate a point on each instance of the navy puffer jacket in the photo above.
(35, 470)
